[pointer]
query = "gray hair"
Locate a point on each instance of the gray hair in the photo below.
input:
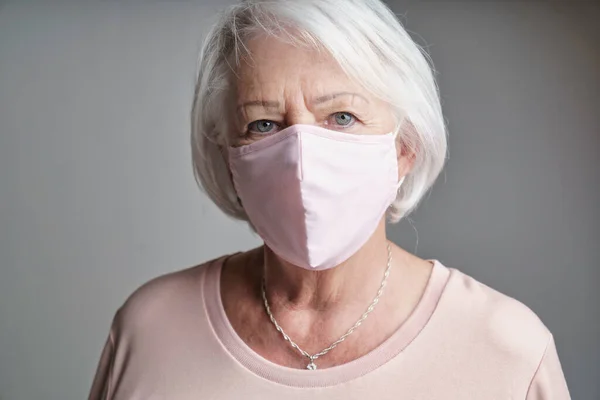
(371, 46)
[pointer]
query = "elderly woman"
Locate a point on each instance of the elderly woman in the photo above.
(313, 121)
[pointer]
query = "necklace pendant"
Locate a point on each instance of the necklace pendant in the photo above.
(311, 366)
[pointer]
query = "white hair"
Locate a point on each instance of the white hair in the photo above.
(370, 45)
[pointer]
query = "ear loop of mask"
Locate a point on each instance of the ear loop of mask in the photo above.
(400, 183)
(395, 136)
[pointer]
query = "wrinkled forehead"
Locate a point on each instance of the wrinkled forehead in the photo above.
(275, 68)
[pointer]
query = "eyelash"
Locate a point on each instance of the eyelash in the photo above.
(250, 130)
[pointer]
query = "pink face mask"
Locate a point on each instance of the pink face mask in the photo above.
(314, 195)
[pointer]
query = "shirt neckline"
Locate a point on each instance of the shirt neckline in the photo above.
(266, 369)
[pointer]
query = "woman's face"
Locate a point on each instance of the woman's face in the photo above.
(282, 85)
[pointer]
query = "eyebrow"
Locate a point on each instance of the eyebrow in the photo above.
(259, 103)
(317, 101)
(333, 96)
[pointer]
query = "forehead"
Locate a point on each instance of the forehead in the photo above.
(274, 67)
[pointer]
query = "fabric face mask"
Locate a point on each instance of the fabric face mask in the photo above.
(315, 196)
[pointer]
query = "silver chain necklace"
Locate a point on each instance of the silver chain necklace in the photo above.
(311, 364)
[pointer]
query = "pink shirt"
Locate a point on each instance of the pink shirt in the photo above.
(172, 340)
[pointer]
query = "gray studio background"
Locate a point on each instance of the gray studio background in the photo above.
(97, 194)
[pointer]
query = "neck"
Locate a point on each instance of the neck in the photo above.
(355, 281)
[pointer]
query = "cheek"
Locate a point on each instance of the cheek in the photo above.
(382, 117)
(375, 120)
(388, 118)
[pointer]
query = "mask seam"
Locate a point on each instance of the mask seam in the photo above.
(302, 202)
(300, 159)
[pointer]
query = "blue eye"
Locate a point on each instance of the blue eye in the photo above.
(344, 118)
(261, 126)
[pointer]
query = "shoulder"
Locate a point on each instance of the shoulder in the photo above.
(493, 321)
(498, 310)
(162, 299)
